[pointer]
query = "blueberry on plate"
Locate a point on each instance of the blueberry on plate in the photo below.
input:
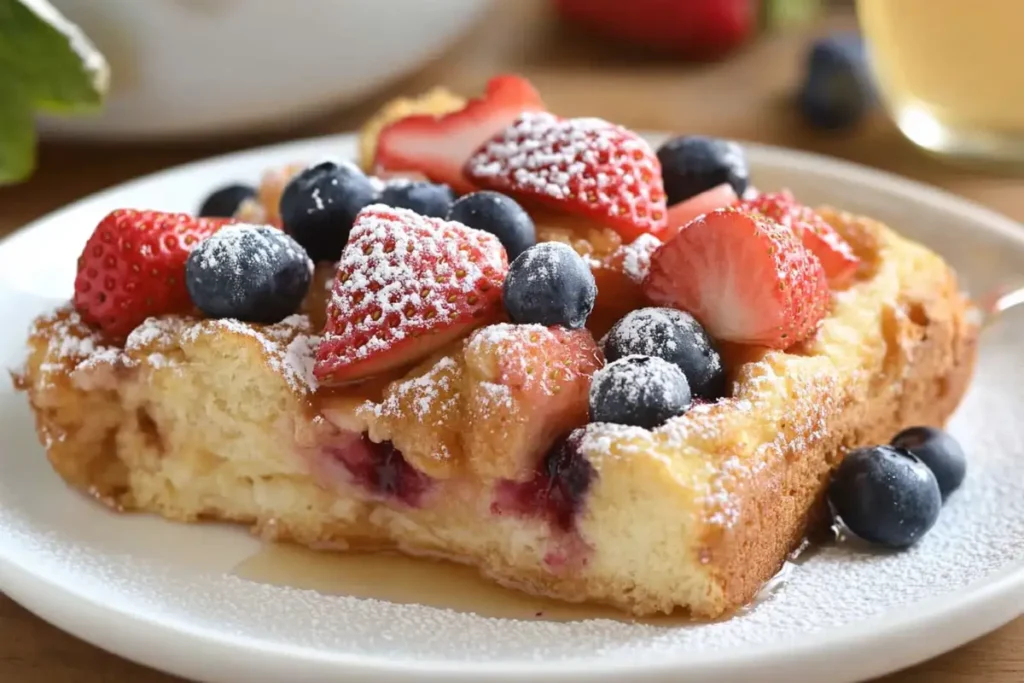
(885, 495)
(837, 90)
(319, 205)
(939, 451)
(254, 273)
(499, 215)
(550, 284)
(674, 336)
(223, 203)
(426, 199)
(638, 390)
(691, 164)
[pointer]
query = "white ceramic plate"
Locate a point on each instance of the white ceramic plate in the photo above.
(162, 593)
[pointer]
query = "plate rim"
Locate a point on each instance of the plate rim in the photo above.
(982, 596)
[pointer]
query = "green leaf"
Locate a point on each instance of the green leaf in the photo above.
(46, 65)
(17, 133)
(57, 66)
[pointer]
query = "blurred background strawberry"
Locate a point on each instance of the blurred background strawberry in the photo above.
(693, 29)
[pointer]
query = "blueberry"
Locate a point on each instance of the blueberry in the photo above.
(320, 204)
(254, 273)
(499, 215)
(550, 284)
(426, 199)
(638, 390)
(223, 203)
(885, 495)
(837, 90)
(939, 451)
(691, 164)
(674, 336)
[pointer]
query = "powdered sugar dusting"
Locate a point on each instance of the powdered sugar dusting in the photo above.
(402, 275)
(589, 161)
(636, 256)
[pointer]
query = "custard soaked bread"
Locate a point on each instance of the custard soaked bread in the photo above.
(430, 402)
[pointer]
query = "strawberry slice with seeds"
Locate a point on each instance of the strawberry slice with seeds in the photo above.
(746, 278)
(438, 146)
(133, 267)
(585, 166)
(835, 253)
(405, 286)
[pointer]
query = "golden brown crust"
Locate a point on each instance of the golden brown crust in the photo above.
(205, 419)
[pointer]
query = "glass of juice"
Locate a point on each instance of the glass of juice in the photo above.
(951, 73)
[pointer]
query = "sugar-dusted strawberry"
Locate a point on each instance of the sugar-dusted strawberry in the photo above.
(525, 386)
(746, 278)
(835, 253)
(405, 286)
(584, 166)
(438, 146)
(133, 267)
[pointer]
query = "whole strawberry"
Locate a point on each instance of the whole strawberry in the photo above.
(133, 267)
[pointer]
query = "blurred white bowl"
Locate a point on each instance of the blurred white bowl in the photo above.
(201, 67)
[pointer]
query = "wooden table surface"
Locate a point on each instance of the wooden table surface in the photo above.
(746, 97)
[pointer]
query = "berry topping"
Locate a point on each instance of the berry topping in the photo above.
(838, 89)
(557, 489)
(680, 214)
(673, 336)
(254, 273)
(835, 253)
(438, 146)
(746, 278)
(692, 164)
(939, 451)
(319, 205)
(885, 495)
(499, 215)
(133, 267)
(405, 286)
(550, 284)
(585, 166)
(223, 203)
(638, 390)
(424, 198)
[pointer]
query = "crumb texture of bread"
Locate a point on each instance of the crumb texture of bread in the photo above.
(214, 419)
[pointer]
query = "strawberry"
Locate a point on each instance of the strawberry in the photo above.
(438, 146)
(405, 286)
(717, 197)
(133, 267)
(701, 29)
(746, 278)
(585, 166)
(525, 386)
(835, 253)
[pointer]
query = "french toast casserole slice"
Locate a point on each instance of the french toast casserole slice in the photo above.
(460, 458)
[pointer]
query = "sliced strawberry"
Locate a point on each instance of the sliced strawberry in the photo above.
(133, 267)
(835, 253)
(405, 286)
(745, 277)
(685, 211)
(438, 146)
(526, 385)
(585, 166)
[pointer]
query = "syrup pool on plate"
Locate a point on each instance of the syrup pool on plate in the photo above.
(434, 583)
